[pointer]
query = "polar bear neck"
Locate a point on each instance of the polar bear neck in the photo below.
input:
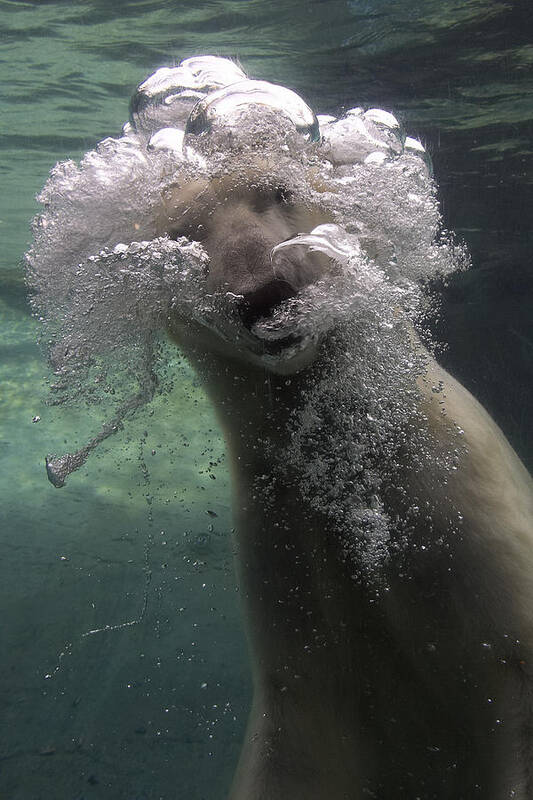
(334, 433)
(343, 635)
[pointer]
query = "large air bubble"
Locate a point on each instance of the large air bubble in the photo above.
(166, 98)
(226, 107)
(328, 238)
(359, 134)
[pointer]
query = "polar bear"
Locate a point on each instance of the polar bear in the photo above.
(416, 684)
(384, 525)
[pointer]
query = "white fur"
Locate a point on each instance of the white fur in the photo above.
(417, 684)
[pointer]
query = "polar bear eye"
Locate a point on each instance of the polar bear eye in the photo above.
(228, 106)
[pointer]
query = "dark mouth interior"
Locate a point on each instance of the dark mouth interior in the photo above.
(262, 303)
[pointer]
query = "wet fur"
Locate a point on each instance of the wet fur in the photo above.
(419, 691)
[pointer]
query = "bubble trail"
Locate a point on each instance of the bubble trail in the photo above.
(58, 468)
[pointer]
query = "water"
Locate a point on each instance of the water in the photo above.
(121, 631)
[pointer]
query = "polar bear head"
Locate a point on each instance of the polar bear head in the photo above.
(231, 215)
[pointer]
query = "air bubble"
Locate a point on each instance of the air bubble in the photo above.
(166, 98)
(226, 107)
(353, 138)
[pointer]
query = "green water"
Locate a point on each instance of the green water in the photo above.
(123, 656)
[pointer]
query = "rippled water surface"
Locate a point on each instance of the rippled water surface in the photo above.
(124, 661)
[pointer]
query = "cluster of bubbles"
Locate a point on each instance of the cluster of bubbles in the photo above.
(359, 437)
(105, 276)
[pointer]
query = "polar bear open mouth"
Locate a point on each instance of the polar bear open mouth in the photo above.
(131, 237)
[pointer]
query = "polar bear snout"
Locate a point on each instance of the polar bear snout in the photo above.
(240, 243)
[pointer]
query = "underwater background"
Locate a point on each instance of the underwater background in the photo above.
(124, 668)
